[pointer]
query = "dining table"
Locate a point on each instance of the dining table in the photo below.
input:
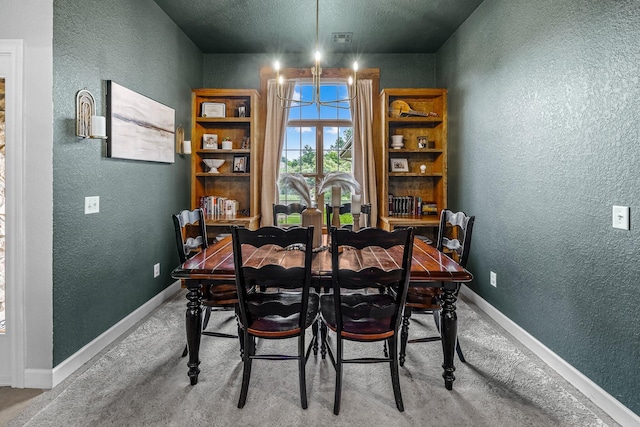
(429, 268)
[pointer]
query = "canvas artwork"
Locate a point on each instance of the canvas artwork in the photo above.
(138, 127)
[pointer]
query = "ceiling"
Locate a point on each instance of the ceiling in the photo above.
(288, 26)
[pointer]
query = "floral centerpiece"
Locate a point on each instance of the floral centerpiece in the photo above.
(336, 181)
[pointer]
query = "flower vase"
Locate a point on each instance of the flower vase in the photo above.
(313, 216)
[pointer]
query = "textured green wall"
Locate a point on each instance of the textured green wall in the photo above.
(103, 263)
(544, 116)
(243, 71)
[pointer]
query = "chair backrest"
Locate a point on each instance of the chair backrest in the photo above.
(191, 233)
(272, 257)
(454, 235)
(292, 208)
(346, 208)
(372, 258)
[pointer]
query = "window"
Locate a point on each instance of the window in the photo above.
(318, 138)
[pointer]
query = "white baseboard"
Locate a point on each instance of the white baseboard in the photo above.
(609, 404)
(44, 378)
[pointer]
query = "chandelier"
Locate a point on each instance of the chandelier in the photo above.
(316, 71)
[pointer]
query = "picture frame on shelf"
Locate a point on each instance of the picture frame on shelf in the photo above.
(246, 143)
(240, 164)
(399, 165)
(215, 110)
(242, 110)
(209, 141)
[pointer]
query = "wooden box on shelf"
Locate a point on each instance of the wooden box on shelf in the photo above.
(225, 127)
(414, 170)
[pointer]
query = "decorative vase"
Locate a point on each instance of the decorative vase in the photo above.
(396, 141)
(313, 216)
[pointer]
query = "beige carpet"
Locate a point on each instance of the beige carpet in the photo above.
(142, 381)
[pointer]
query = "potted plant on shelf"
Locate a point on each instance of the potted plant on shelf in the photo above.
(336, 181)
(227, 144)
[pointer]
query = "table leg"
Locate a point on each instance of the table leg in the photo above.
(194, 325)
(449, 332)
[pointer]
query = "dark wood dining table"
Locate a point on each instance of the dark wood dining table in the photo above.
(429, 268)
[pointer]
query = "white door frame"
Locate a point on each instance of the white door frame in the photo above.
(12, 346)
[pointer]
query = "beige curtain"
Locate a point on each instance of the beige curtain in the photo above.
(364, 168)
(273, 142)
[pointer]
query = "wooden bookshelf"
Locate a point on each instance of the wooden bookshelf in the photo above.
(240, 186)
(430, 185)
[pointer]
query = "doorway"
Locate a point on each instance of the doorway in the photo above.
(11, 157)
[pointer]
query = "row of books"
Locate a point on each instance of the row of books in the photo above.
(219, 207)
(411, 206)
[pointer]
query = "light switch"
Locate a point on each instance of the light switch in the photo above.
(621, 217)
(91, 205)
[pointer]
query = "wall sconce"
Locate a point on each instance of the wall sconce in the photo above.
(182, 146)
(88, 125)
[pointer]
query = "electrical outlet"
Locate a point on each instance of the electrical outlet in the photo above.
(156, 270)
(621, 217)
(493, 279)
(91, 205)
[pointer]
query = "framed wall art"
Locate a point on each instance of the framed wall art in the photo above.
(138, 128)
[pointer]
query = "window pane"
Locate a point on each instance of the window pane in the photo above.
(337, 149)
(299, 152)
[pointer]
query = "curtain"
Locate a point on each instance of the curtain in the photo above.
(364, 168)
(273, 142)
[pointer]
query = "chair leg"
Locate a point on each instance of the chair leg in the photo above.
(302, 370)
(240, 334)
(314, 328)
(395, 377)
(323, 339)
(459, 351)
(404, 334)
(207, 316)
(246, 374)
(338, 392)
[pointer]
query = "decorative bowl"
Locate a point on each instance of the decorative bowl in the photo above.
(213, 164)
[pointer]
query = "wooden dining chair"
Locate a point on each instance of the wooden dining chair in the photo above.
(278, 259)
(454, 239)
(365, 209)
(370, 276)
(191, 237)
(286, 210)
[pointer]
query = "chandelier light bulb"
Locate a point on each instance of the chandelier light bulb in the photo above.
(355, 66)
(276, 65)
(317, 55)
